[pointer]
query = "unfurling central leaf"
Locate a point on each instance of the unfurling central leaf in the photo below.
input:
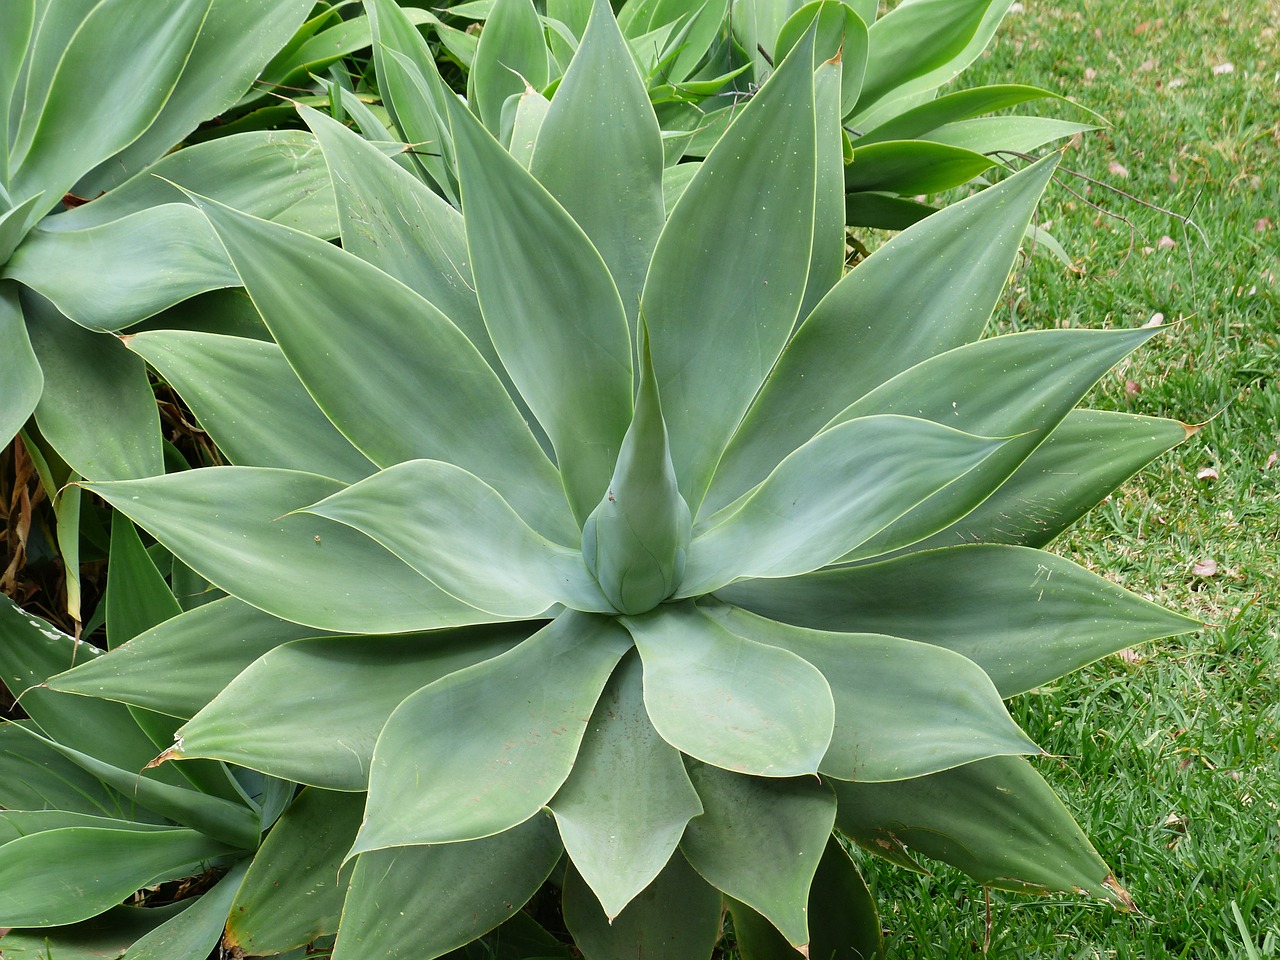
(636, 540)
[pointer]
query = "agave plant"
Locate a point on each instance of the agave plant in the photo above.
(566, 530)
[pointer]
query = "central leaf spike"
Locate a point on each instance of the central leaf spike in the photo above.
(636, 540)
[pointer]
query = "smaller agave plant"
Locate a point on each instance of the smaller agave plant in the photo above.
(622, 566)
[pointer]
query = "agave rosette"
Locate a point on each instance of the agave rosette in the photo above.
(630, 529)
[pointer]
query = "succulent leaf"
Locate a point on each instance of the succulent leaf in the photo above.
(719, 314)
(760, 841)
(154, 670)
(423, 901)
(624, 807)
(108, 865)
(1055, 366)
(930, 289)
(835, 493)
(728, 701)
(997, 820)
(298, 567)
(247, 397)
(636, 541)
(514, 722)
(459, 533)
(903, 709)
(984, 602)
(337, 318)
(264, 719)
(607, 175)
(552, 310)
(676, 917)
(23, 381)
(1088, 455)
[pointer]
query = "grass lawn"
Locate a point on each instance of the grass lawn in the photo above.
(1170, 754)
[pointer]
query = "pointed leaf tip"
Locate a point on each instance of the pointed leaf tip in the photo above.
(636, 540)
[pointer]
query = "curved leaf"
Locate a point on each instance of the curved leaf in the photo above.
(903, 708)
(458, 532)
(97, 408)
(127, 269)
(62, 876)
(337, 319)
(606, 174)
(512, 53)
(719, 313)
(23, 381)
(278, 175)
(917, 47)
(31, 651)
(625, 805)
(411, 903)
(1005, 136)
(636, 541)
(296, 567)
(293, 892)
(877, 322)
(677, 917)
(552, 310)
(123, 61)
(728, 701)
(997, 820)
(832, 495)
(760, 841)
(983, 388)
(952, 108)
(268, 717)
(486, 747)
(414, 93)
(249, 400)
(909, 167)
(35, 776)
(228, 821)
(156, 671)
(197, 929)
(842, 917)
(1088, 455)
(236, 40)
(1024, 616)
(394, 221)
